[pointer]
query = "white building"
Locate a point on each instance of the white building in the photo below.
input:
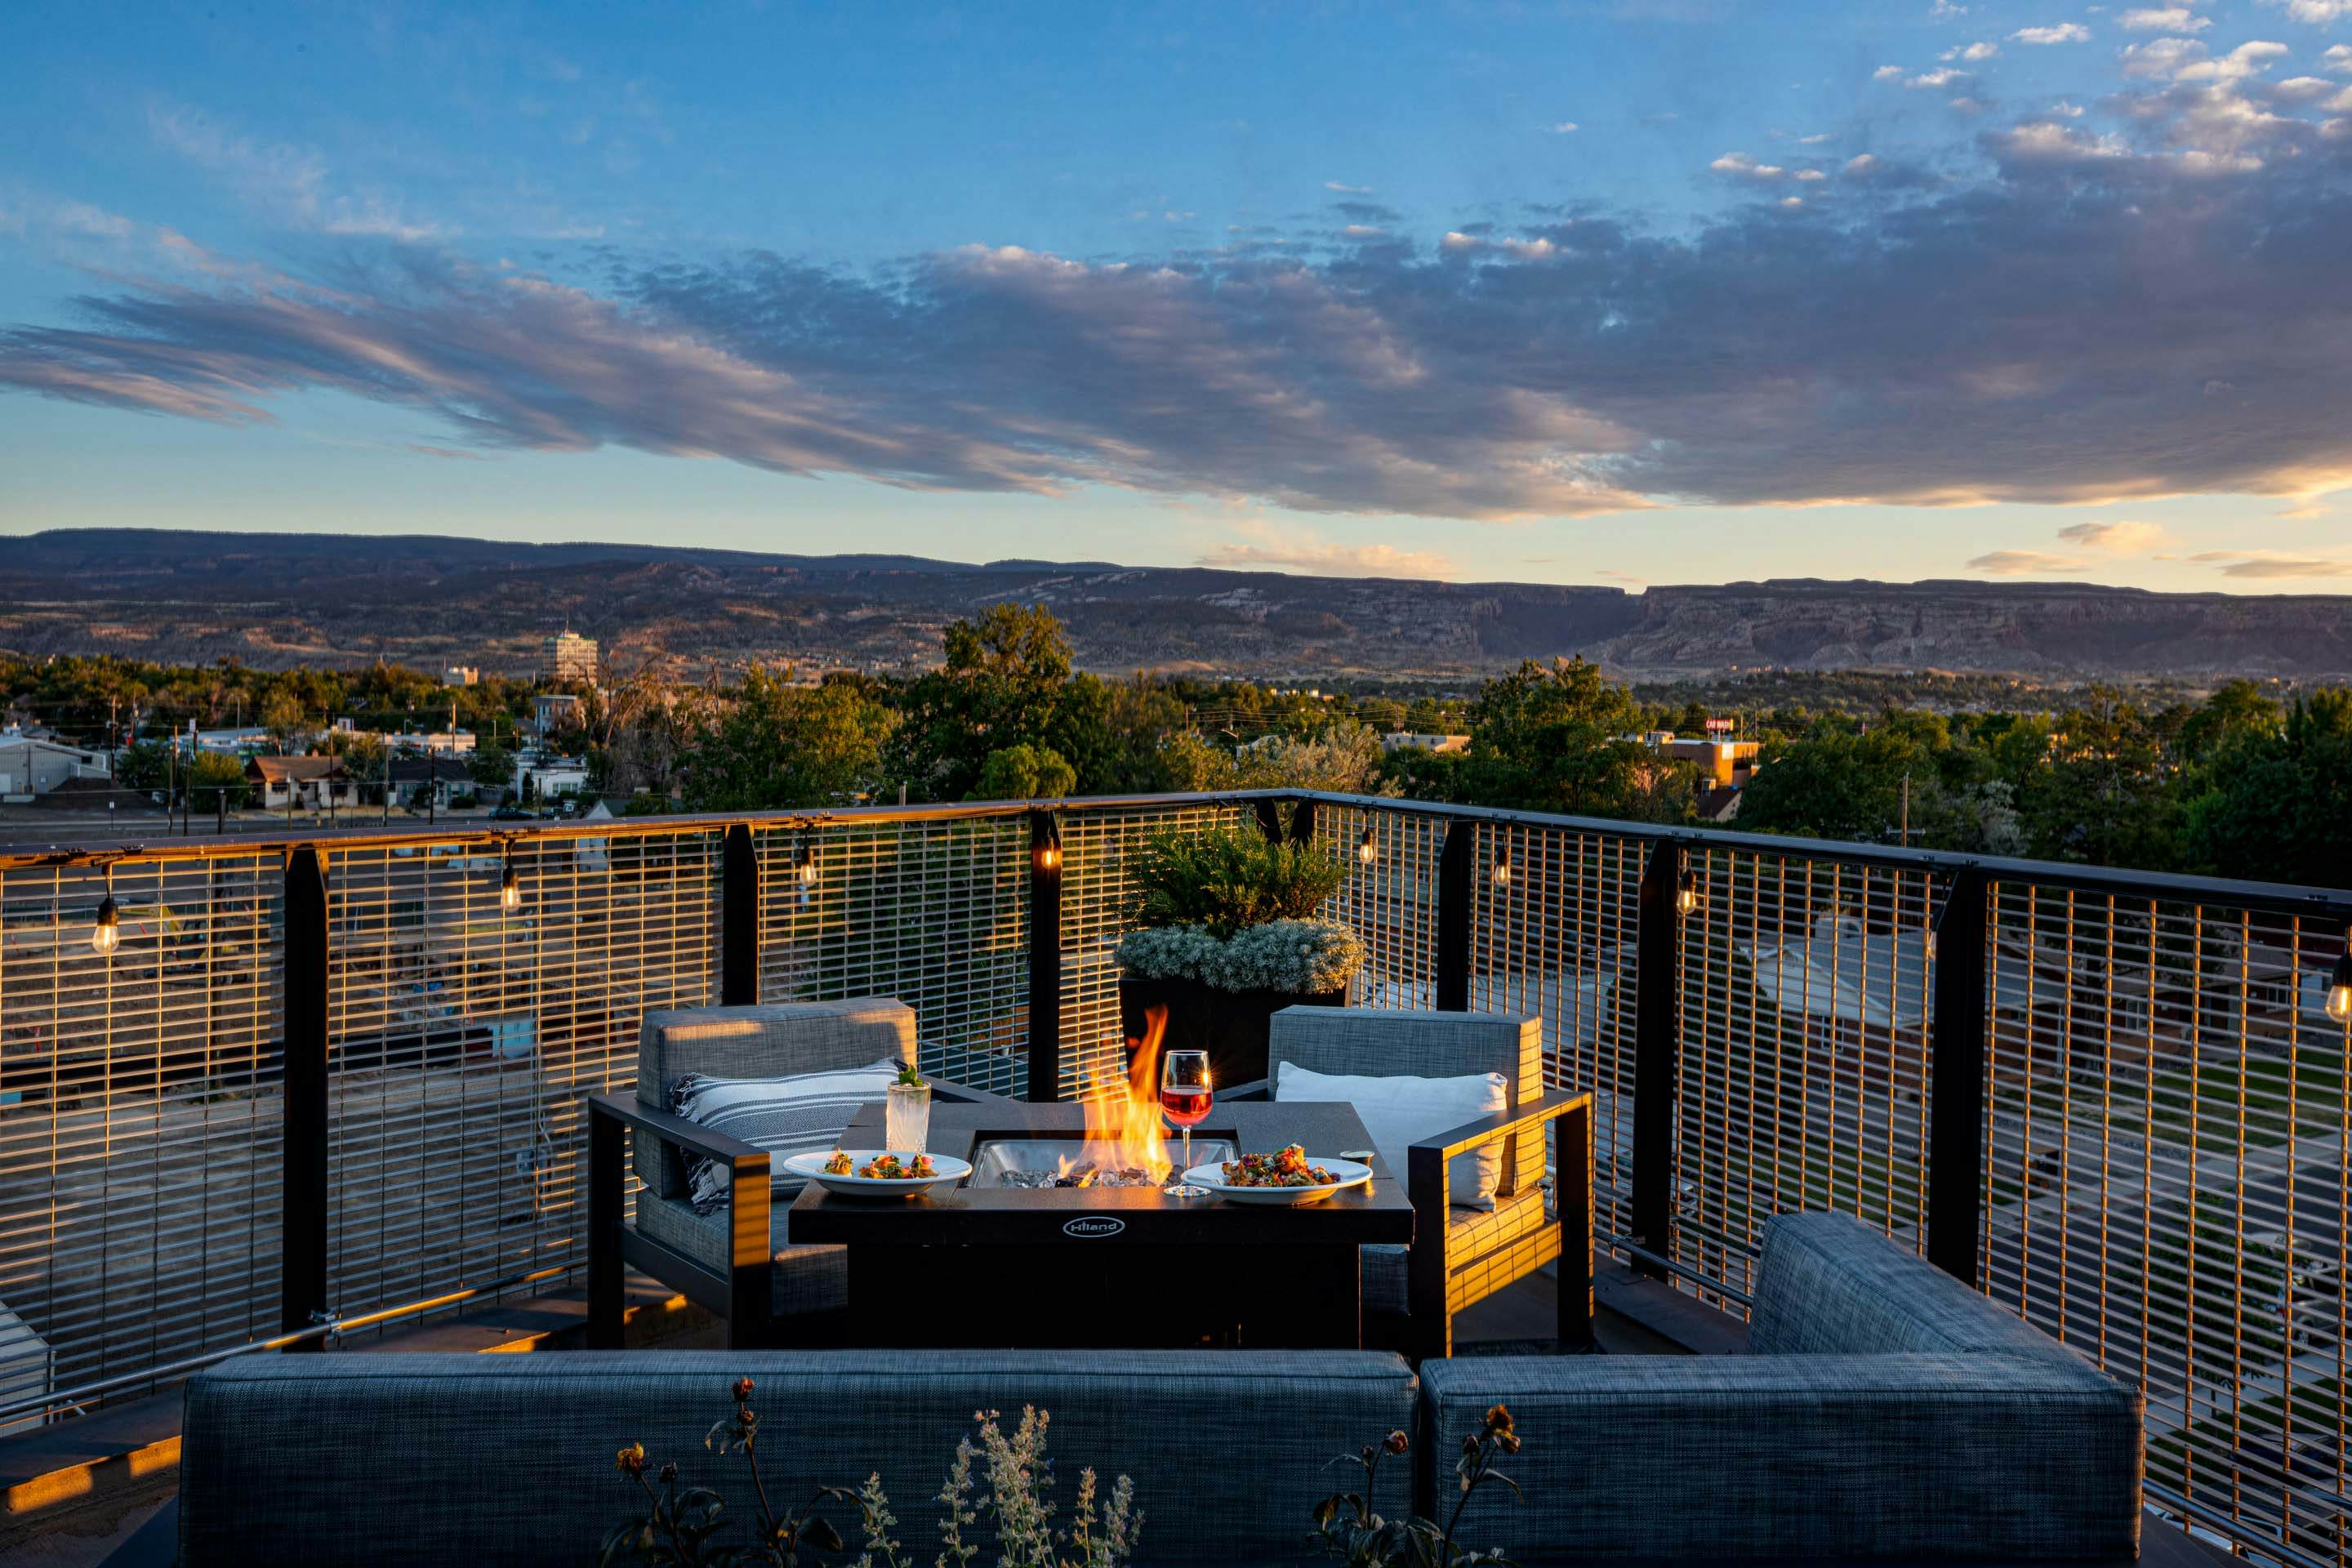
(439, 743)
(29, 767)
(235, 742)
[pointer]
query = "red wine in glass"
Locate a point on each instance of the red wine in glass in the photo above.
(1185, 1097)
(1187, 1107)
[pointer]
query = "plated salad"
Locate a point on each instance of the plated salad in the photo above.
(1288, 1168)
(882, 1167)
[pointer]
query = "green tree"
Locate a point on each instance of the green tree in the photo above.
(281, 715)
(778, 745)
(1024, 772)
(2105, 797)
(491, 766)
(1006, 683)
(213, 778)
(1556, 740)
(2278, 806)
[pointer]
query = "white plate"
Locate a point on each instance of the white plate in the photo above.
(1351, 1174)
(949, 1170)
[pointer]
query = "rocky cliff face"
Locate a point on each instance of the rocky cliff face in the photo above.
(282, 600)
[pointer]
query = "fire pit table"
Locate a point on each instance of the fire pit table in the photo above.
(1123, 1267)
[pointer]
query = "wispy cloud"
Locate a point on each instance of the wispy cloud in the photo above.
(2272, 564)
(2026, 563)
(2318, 12)
(291, 184)
(2165, 19)
(1347, 190)
(1308, 554)
(2117, 538)
(2064, 33)
(2056, 317)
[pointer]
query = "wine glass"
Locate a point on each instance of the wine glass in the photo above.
(1185, 1097)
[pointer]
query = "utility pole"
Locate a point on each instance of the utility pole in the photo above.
(1906, 808)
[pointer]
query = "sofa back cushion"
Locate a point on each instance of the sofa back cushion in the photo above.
(431, 1459)
(773, 1039)
(1830, 1285)
(1342, 1041)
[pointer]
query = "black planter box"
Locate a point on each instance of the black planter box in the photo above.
(1230, 1026)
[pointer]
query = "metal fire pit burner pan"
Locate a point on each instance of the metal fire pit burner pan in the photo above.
(999, 1155)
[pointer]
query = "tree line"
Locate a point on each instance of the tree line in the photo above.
(2240, 781)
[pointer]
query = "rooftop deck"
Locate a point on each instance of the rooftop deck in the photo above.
(329, 1083)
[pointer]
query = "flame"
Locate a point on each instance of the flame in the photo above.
(1122, 1112)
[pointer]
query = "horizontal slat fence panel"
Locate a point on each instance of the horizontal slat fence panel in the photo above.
(141, 1123)
(933, 912)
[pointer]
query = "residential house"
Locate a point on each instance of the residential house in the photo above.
(541, 777)
(553, 710)
(447, 775)
(300, 783)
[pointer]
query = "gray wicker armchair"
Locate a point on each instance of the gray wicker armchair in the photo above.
(738, 1262)
(1460, 1255)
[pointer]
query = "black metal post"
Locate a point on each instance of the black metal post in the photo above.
(1956, 1077)
(302, 1260)
(1269, 820)
(1302, 820)
(606, 1141)
(739, 918)
(1657, 1045)
(1044, 957)
(1455, 863)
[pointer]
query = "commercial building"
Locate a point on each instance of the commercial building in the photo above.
(29, 767)
(568, 659)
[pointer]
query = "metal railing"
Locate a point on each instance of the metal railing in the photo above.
(326, 1080)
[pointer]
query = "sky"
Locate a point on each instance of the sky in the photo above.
(1599, 291)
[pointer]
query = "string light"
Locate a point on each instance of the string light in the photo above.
(1501, 875)
(509, 886)
(1367, 850)
(804, 866)
(107, 935)
(1048, 851)
(1686, 891)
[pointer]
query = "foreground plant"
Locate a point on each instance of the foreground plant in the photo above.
(682, 1528)
(1348, 1528)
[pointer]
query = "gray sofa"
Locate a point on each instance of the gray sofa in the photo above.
(433, 1459)
(1888, 1415)
(1885, 1411)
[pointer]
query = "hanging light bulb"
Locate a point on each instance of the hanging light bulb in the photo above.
(509, 886)
(1501, 875)
(2339, 984)
(1687, 892)
(1367, 850)
(107, 935)
(805, 866)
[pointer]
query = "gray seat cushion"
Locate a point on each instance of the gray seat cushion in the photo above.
(508, 1459)
(807, 1279)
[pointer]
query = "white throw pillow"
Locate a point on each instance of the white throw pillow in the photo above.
(1401, 1112)
(784, 1116)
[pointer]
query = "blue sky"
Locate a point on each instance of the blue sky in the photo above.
(1649, 291)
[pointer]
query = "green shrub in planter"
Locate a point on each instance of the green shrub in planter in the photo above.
(1231, 935)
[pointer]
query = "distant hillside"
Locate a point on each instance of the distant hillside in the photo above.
(279, 600)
